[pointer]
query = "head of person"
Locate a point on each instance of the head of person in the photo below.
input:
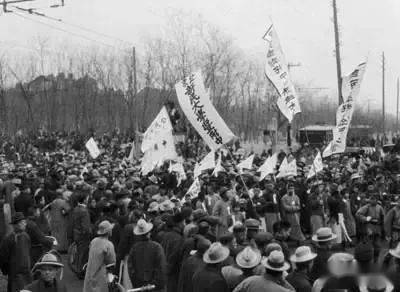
(248, 259)
(49, 265)
(252, 227)
(216, 254)
(19, 222)
(324, 236)
(105, 228)
(290, 189)
(262, 239)
(143, 229)
(342, 264)
(303, 258)
(364, 254)
(275, 264)
(282, 229)
(373, 200)
(239, 232)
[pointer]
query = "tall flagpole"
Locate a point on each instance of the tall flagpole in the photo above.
(337, 52)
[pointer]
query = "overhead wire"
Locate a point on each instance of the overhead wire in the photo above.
(66, 31)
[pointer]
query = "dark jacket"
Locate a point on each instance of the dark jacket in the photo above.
(39, 242)
(172, 242)
(300, 281)
(320, 263)
(146, 264)
(80, 228)
(189, 267)
(41, 286)
(209, 279)
(126, 242)
(345, 283)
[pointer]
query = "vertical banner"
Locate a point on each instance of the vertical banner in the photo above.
(350, 88)
(196, 104)
(277, 71)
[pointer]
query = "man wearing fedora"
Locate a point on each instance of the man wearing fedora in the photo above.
(209, 278)
(146, 260)
(303, 259)
(322, 238)
(101, 258)
(15, 255)
(49, 266)
(275, 265)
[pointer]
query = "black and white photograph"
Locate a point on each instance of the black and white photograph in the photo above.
(199, 146)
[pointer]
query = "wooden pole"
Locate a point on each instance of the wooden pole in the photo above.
(383, 93)
(337, 52)
(397, 108)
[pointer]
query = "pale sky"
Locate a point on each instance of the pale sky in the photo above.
(368, 27)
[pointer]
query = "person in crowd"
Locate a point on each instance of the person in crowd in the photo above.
(317, 208)
(15, 255)
(291, 208)
(59, 210)
(222, 210)
(282, 231)
(392, 225)
(101, 260)
(275, 265)
(272, 210)
(303, 259)
(49, 266)
(146, 261)
(210, 278)
(322, 238)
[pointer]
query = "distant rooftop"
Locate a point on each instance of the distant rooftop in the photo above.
(318, 128)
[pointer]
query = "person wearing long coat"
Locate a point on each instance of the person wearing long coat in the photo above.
(291, 207)
(222, 210)
(15, 258)
(101, 258)
(59, 209)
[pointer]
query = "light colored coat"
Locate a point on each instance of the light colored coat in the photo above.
(101, 254)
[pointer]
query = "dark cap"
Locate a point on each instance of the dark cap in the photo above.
(18, 216)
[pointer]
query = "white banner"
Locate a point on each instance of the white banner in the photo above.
(158, 143)
(269, 166)
(277, 72)
(194, 189)
(350, 89)
(159, 126)
(195, 103)
(208, 162)
(92, 147)
(287, 169)
(317, 166)
(179, 170)
(246, 164)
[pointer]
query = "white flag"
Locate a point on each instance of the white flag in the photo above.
(179, 171)
(194, 189)
(158, 143)
(277, 72)
(196, 104)
(269, 166)
(92, 147)
(246, 164)
(208, 162)
(132, 153)
(317, 166)
(287, 169)
(350, 89)
(218, 168)
(157, 129)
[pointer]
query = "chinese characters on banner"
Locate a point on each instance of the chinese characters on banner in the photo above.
(350, 89)
(195, 103)
(277, 72)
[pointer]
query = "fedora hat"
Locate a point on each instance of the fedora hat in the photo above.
(248, 258)
(303, 254)
(49, 259)
(18, 216)
(275, 262)
(395, 252)
(104, 227)
(142, 227)
(323, 234)
(216, 253)
(166, 206)
(153, 207)
(340, 264)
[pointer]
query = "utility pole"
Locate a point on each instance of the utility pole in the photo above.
(337, 52)
(397, 108)
(383, 93)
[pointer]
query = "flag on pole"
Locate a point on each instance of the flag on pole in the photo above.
(196, 104)
(92, 147)
(246, 164)
(158, 143)
(316, 167)
(277, 71)
(132, 152)
(287, 168)
(269, 166)
(208, 162)
(350, 88)
(218, 168)
(194, 189)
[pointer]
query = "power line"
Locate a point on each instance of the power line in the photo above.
(66, 31)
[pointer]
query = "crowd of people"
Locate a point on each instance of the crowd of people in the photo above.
(339, 229)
